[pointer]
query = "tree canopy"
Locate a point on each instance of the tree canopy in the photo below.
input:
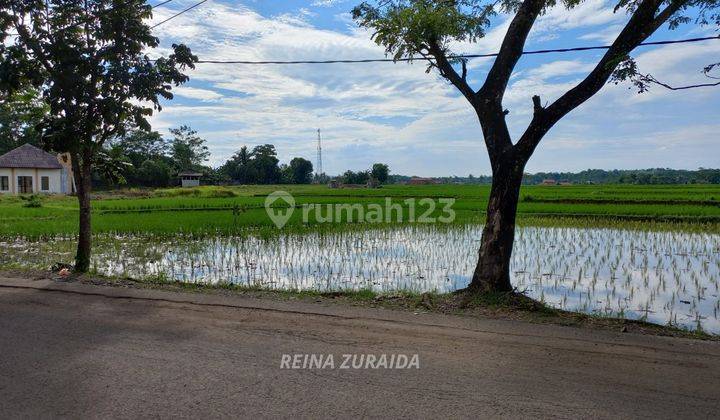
(380, 172)
(188, 150)
(428, 29)
(88, 61)
(20, 114)
(300, 170)
(262, 166)
(87, 58)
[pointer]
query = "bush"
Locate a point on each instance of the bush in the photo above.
(179, 192)
(32, 201)
(222, 193)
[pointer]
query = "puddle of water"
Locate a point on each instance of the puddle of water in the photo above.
(661, 277)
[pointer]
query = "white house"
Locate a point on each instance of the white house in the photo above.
(29, 170)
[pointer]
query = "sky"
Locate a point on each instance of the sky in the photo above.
(415, 122)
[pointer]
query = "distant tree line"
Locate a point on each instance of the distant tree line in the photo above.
(261, 166)
(636, 176)
(379, 173)
(593, 176)
(146, 159)
(470, 179)
(140, 158)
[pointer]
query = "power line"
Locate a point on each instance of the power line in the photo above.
(452, 57)
(161, 4)
(178, 14)
(459, 56)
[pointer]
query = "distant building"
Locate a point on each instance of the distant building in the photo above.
(565, 183)
(334, 184)
(29, 170)
(422, 181)
(190, 179)
(549, 182)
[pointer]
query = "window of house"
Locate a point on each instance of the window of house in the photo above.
(45, 183)
(4, 183)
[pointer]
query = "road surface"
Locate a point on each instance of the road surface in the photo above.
(78, 351)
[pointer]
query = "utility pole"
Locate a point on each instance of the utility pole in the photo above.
(318, 168)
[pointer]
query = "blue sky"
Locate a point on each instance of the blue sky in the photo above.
(416, 122)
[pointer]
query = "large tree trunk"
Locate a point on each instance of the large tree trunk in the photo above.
(83, 177)
(492, 273)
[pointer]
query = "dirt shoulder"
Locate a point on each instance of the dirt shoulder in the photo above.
(498, 307)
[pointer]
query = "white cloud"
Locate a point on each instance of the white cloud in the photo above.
(686, 147)
(586, 14)
(395, 112)
(195, 93)
(560, 68)
(284, 103)
(606, 35)
(326, 3)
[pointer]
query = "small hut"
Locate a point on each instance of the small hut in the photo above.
(189, 179)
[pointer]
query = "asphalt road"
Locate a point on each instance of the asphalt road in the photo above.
(79, 351)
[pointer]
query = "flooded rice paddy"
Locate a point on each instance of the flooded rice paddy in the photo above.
(662, 277)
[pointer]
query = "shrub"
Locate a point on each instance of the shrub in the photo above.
(222, 193)
(32, 201)
(181, 192)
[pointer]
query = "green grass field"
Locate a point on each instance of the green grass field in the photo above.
(227, 209)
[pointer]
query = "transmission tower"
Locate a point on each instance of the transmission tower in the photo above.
(319, 169)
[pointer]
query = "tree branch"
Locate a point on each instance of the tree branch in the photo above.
(31, 42)
(448, 71)
(537, 105)
(511, 50)
(643, 22)
(651, 79)
(489, 97)
(667, 13)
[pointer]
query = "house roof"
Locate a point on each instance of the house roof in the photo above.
(190, 173)
(29, 156)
